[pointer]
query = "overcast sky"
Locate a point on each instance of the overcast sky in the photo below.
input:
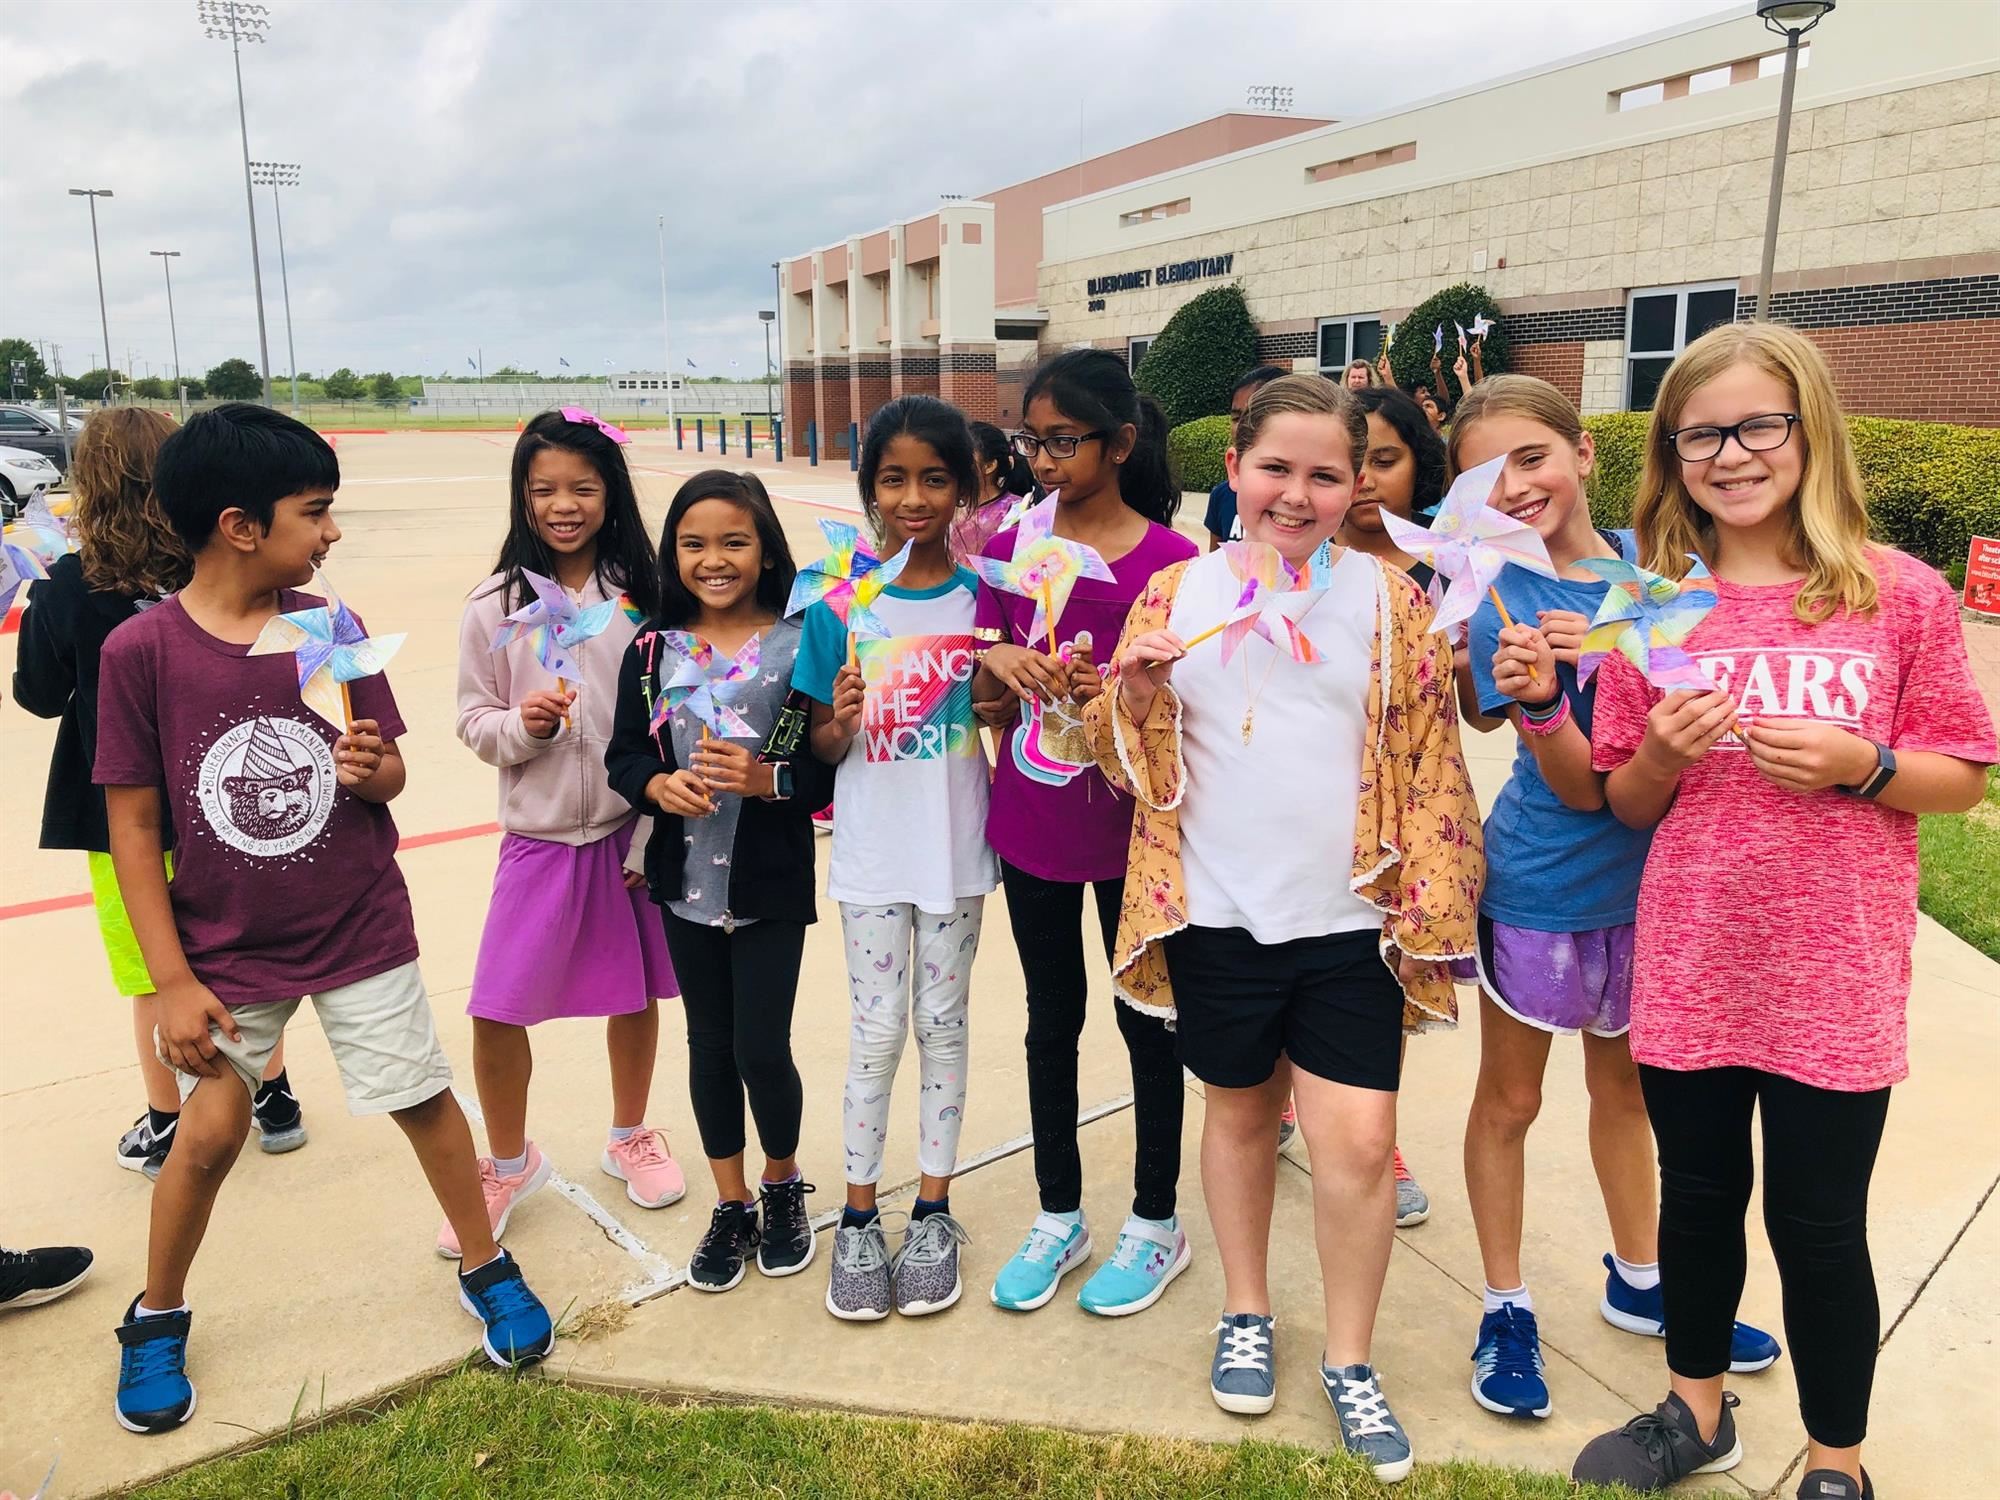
(485, 174)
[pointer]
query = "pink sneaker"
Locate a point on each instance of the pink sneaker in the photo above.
(503, 1196)
(642, 1162)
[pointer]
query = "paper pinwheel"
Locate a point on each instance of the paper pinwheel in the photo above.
(1644, 618)
(1274, 598)
(847, 580)
(38, 533)
(1045, 568)
(1437, 339)
(1481, 325)
(706, 687)
(11, 579)
(331, 652)
(25, 555)
(1461, 336)
(553, 624)
(1469, 544)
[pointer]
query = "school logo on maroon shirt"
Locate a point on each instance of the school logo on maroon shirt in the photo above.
(267, 786)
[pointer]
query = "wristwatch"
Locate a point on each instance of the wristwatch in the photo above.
(1872, 784)
(781, 781)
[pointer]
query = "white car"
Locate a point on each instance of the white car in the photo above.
(21, 474)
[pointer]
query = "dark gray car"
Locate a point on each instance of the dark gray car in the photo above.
(24, 427)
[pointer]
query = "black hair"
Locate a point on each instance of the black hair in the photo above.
(678, 607)
(1017, 475)
(238, 456)
(1093, 386)
(1425, 446)
(1259, 375)
(930, 421)
(625, 556)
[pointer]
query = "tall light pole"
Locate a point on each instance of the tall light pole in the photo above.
(770, 370)
(274, 175)
(167, 258)
(1790, 19)
(93, 194)
(240, 23)
(777, 303)
(666, 339)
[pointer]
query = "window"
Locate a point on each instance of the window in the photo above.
(1366, 161)
(1706, 80)
(1151, 215)
(18, 421)
(1135, 350)
(1345, 339)
(1660, 322)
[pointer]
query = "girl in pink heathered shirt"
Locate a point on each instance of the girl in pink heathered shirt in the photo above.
(1778, 907)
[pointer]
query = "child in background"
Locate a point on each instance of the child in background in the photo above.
(127, 560)
(910, 865)
(730, 860)
(1292, 927)
(1004, 477)
(1562, 886)
(285, 880)
(570, 930)
(1104, 447)
(1221, 521)
(1779, 903)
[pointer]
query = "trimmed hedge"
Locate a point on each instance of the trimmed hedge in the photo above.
(1196, 449)
(1410, 352)
(1192, 368)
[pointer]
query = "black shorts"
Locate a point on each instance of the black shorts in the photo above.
(1328, 1003)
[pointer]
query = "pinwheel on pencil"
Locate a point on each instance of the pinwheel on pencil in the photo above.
(1045, 568)
(1645, 617)
(1469, 544)
(847, 580)
(332, 650)
(555, 625)
(706, 685)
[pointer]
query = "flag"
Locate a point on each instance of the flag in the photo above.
(561, 361)
(470, 363)
(692, 365)
(732, 364)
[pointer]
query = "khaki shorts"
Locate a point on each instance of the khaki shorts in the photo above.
(379, 1028)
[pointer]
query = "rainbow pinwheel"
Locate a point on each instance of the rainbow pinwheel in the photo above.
(1469, 544)
(706, 686)
(11, 579)
(1275, 597)
(553, 624)
(332, 651)
(38, 533)
(1045, 568)
(1644, 618)
(847, 580)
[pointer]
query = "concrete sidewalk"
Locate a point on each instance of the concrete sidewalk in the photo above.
(317, 1286)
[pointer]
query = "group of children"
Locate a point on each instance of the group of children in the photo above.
(1284, 857)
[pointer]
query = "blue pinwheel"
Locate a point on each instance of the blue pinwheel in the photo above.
(332, 651)
(1645, 617)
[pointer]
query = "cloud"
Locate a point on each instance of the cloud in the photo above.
(486, 174)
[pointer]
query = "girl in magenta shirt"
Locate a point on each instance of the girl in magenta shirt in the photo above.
(1779, 902)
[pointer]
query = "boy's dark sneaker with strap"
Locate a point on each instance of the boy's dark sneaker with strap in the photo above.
(785, 1244)
(144, 1148)
(154, 1393)
(281, 1124)
(28, 1278)
(1664, 1446)
(518, 1331)
(719, 1260)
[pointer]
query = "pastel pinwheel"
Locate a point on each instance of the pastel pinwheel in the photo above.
(39, 533)
(1045, 568)
(706, 686)
(554, 625)
(847, 580)
(1275, 597)
(1437, 339)
(1644, 618)
(12, 577)
(1481, 325)
(332, 651)
(1469, 544)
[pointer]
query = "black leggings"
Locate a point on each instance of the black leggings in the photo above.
(1047, 917)
(1819, 1153)
(738, 988)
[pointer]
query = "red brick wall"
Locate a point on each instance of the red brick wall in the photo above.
(800, 406)
(868, 388)
(914, 373)
(1929, 372)
(966, 380)
(834, 409)
(1561, 365)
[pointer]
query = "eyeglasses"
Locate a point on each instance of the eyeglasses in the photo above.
(1753, 435)
(1061, 445)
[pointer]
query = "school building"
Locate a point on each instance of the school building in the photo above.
(1613, 203)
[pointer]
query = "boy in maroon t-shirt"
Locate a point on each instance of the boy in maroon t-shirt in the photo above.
(285, 881)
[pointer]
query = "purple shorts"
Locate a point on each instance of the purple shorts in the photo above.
(1563, 982)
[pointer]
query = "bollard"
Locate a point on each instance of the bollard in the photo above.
(812, 445)
(697, 434)
(853, 450)
(680, 440)
(722, 433)
(749, 439)
(778, 438)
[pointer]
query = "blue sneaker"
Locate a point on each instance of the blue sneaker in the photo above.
(1644, 1312)
(1149, 1256)
(1368, 1429)
(518, 1331)
(1507, 1372)
(154, 1393)
(1240, 1377)
(1051, 1251)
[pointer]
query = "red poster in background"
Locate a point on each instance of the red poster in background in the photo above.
(1982, 575)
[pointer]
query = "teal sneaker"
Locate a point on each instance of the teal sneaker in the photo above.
(1051, 1251)
(1149, 1256)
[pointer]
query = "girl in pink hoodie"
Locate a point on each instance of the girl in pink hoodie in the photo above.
(570, 930)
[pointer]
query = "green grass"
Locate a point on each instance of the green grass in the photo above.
(1959, 857)
(478, 1434)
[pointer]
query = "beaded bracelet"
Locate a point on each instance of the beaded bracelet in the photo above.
(1549, 722)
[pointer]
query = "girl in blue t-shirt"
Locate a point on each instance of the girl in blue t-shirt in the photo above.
(1562, 890)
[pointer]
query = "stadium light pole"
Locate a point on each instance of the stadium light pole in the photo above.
(777, 303)
(240, 23)
(770, 370)
(666, 338)
(93, 194)
(167, 259)
(274, 175)
(1790, 19)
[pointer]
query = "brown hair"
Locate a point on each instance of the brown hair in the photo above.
(1513, 395)
(1306, 395)
(1828, 536)
(125, 540)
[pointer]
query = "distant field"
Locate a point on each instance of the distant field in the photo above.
(338, 414)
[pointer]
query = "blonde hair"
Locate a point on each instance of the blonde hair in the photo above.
(1828, 535)
(126, 543)
(1304, 395)
(1513, 396)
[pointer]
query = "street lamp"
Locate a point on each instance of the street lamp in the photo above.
(274, 175)
(1790, 19)
(93, 194)
(777, 300)
(167, 257)
(666, 338)
(767, 318)
(240, 23)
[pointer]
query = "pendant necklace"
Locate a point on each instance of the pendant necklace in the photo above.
(1250, 706)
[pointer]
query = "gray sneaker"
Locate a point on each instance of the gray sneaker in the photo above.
(1659, 1447)
(1241, 1378)
(857, 1288)
(1413, 1204)
(926, 1268)
(1368, 1429)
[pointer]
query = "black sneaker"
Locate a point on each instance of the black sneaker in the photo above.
(139, 1150)
(786, 1245)
(1831, 1484)
(718, 1261)
(28, 1278)
(1653, 1451)
(281, 1125)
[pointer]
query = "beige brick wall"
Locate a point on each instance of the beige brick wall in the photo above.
(1603, 376)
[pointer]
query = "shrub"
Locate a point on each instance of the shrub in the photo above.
(1621, 449)
(1196, 449)
(1410, 353)
(1192, 367)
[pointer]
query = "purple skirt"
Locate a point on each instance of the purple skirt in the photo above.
(565, 938)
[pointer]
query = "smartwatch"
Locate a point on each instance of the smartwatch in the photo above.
(1872, 784)
(781, 781)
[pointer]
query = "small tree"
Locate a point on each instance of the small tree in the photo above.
(1416, 335)
(152, 388)
(1196, 361)
(34, 378)
(94, 385)
(234, 380)
(383, 387)
(344, 385)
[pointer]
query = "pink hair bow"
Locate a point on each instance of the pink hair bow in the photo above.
(578, 414)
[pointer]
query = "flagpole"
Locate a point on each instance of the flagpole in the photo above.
(666, 339)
